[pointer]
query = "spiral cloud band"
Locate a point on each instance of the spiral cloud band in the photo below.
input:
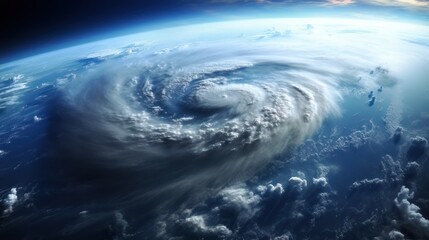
(236, 129)
(183, 125)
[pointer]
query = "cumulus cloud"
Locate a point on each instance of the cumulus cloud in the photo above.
(271, 191)
(118, 230)
(218, 216)
(412, 170)
(367, 185)
(37, 118)
(391, 169)
(417, 147)
(322, 182)
(287, 236)
(240, 199)
(197, 224)
(297, 184)
(355, 140)
(10, 201)
(11, 87)
(323, 201)
(410, 211)
(396, 235)
(243, 211)
(239, 209)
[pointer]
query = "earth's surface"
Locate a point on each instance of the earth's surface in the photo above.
(267, 128)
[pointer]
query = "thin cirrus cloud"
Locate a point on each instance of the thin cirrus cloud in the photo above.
(389, 3)
(400, 3)
(341, 2)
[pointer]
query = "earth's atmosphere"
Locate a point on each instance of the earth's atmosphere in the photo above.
(251, 129)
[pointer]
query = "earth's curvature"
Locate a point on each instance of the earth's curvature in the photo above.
(267, 128)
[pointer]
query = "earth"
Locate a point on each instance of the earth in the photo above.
(250, 129)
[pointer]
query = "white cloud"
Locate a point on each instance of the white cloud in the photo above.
(399, 3)
(208, 218)
(395, 235)
(410, 211)
(198, 224)
(10, 200)
(37, 118)
(391, 169)
(240, 198)
(104, 53)
(412, 170)
(121, 224)
(388, 3)
(320, 181)
(323, 203)
(286, 236)
(297, 183)
(84, 212)
(340, 2)
(367, 185)
(271, 190)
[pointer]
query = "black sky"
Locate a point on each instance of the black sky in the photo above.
(35, 25)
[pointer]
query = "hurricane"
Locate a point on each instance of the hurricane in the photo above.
(202, 123)
(248, 129)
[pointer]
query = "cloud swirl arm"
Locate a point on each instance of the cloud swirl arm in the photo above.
(182, 125)
(172, 129)
(235, 129)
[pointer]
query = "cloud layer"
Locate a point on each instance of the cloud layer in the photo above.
(415, 4)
